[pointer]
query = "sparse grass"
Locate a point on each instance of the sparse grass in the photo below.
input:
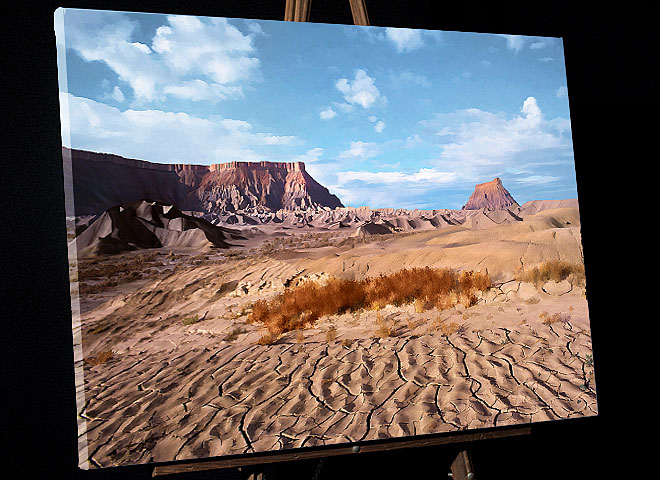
(553, 270)
(589, 360)
(190, 320)
(300, 306)
(549, 319)
(412, 324)
(445, 328)
(385, 328)
(233, 335)
(101, 358)
(267, 339)
(305, 240)
(97, 274)
(331, 334)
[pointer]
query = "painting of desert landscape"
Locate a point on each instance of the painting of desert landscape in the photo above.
(287, 235)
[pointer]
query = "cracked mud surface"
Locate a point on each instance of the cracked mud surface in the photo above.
(174, 391)
(201, 395)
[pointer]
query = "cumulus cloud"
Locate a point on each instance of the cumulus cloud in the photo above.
(404, 39)
(561, 92)
(311, 156)
(515, 42)
(361, 91)
(362, 150)
(380, 125)
(474, 140)
(408, 79)
(188, 57)
(166, 137)
(117, 94)
(542, 43)
(399, 189)
(327, 114)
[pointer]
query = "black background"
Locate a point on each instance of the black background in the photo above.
(609, 76)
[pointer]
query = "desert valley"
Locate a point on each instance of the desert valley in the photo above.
(240, 308)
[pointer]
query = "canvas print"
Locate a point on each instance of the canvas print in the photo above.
(285, 235)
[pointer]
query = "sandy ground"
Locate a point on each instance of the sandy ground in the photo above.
(175, 390)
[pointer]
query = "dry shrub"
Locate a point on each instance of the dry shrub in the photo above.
(300, 306)
(553, 270)
(448, 329)
(268, 338)
(385, 329)
(412, 324)
(102, 357)
(331, 335)
(190, 320)
(554, 318)
(233, 335)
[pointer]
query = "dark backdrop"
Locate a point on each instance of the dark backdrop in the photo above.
(608, 77)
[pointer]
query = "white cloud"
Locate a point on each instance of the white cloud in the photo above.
(412, 141)
(546, 59)
(361, 91)
(515, 42)
(361, 150)
(188, 58)
(198, 90)
(344, 107)
(404, 39)
(561, 92)
(166, 137)
(379, 126)
(408, 79)
(117, 94)
(424, 175)
(537, 179)
(311, 156)
(474, 140)
(327, 114)
(542, 43)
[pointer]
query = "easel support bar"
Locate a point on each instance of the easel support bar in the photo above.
(297, 10)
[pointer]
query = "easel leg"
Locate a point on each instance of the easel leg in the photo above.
(253, 473)
(461, 467)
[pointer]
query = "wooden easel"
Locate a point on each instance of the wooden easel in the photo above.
(253, 467)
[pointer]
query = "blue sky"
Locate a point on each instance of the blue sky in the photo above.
(383, 117)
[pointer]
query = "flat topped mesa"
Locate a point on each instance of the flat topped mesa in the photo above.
(490, 195)
(288, 166)
(101, 181)
(89, 156)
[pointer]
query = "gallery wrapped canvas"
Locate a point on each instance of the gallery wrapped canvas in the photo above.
(285, 235)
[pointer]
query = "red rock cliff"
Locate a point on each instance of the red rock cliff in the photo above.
(101, 181)
(491, 195)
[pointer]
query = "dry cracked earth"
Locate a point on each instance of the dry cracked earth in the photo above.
(172, 391)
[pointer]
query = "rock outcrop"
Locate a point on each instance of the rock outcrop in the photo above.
(101, 181)
(490, 195)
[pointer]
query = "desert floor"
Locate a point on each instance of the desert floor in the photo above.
(170, 369)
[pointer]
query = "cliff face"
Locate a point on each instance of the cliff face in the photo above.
(101, 181)
(490, 195)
